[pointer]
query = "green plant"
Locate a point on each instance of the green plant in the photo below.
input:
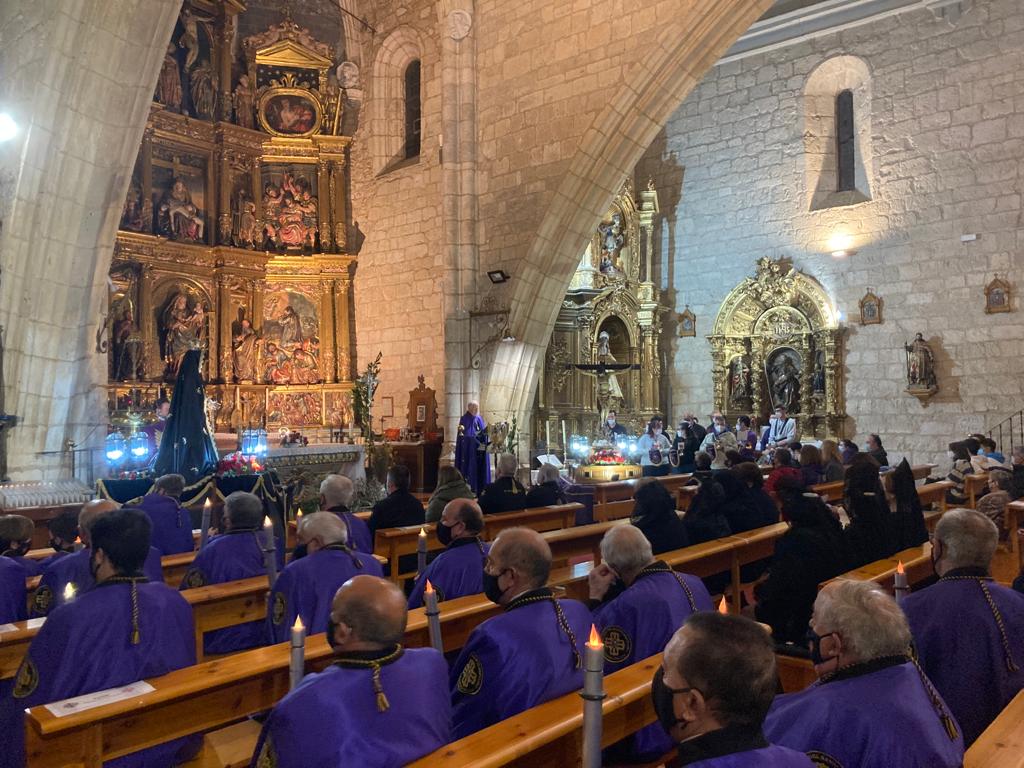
(362, 396)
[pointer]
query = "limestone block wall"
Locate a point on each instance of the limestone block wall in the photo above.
(78, 75)
(946, 158)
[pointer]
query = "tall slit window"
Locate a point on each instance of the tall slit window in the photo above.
(412, 110)
(845, 133)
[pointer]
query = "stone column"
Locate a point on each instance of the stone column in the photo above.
(339, 210)
(257, 196)
(648, 369)
(807, 383)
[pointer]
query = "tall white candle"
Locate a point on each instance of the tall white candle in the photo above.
(433, 617)
(593, 694)
(269, 551)
(421, 551)
(297, 665)
(204, 526)
(901, 587)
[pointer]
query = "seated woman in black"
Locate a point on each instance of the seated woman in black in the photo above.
(871, 534)
(812, 551)
(705, 519)
(655, 514)
(547, 492)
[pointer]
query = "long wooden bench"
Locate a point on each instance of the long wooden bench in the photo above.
(974, 484)
(1001, 745)
(1012, 518)
(917, 562)
(394, 543)
(614, 500)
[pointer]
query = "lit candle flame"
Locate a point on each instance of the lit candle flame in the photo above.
(595, 638)
(267, 525)
(78, 540)
(423, 533)
(723, 607)
(69, 591)
(207, 503)
(430, 588)
(297, 626)
(899, 568)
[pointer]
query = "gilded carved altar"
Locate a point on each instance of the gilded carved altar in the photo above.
(611, 315)
(233, 237)
(777, 341)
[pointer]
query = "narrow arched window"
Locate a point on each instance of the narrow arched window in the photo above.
(846, 143)
(412, 110)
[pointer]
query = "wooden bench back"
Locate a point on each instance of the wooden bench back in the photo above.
(917, 562)
(1001, 745)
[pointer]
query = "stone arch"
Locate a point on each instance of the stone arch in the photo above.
(387, 101)
(607, 153)
(824, 84)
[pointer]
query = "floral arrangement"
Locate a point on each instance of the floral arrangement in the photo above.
(235, 464)
(607, 456)
(134, 474)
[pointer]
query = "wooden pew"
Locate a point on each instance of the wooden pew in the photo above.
(175, 567)
(919, 471)
(917, 562)
(830, 492)
(1001, 745)
(393, 543)
(935, 493)
(974, 484)
(551, 734)
(1011, 522)
(614, 500)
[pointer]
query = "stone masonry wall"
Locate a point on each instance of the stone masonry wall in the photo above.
(947, 155)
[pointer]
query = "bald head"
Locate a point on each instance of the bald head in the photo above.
(92, 511)
(524, 553)
(465, 511)
(336, 491)
(369, 613)
(321, 529)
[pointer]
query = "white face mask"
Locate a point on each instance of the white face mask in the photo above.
(657, 431)
(679, 433)
(866, 448)
(950, 455)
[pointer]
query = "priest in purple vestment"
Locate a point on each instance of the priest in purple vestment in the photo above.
(531, 653)
(378, 706)
(968, 630)
(74, 571)
(172, 523)
(306, 587)
(336, 493)
(638, 604)
(12, 591)
(713, 690)
(470, 457)
(235, 554)
(16, 540)
(459, 570)
(123, 630)
(872, 706)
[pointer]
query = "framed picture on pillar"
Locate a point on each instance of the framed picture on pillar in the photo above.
(997, 296)
(870, 309)
(687, 322)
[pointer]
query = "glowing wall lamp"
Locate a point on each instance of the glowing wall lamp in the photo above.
(840, 245)
(8, 128)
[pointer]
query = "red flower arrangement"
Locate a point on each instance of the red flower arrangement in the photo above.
(607, 456)
(235, 464)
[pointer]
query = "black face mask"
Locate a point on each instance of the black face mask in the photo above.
(814, 639)
(491, 588)
(444, 534)
(58, 546)
(332, 625)
(94, 567)
(662, 697)
(299, 552)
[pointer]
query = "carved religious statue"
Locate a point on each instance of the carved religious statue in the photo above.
(921, 379)
(290, 210)
(244, 102)
(613, 238)
(785, 383)
(182, 329)
(605, 357)
(127, 346)
(739, 381)
(244, 350)
(177, 215)
(168, 87)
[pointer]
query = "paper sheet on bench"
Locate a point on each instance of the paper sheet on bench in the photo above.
(7, 628)
(98, 699)
(30, 624)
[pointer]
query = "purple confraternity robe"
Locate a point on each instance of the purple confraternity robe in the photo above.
(469, 460)
(879, 714)
(738, 747)
(974, 655)
(359, 537)
(530, 654)
(229, 557)
(334, 718)
(86, 646)
(74, 569)
(639, 622)
(12, 591)
(456, 572)
(172, 524)
(30, 566)
(306, 589)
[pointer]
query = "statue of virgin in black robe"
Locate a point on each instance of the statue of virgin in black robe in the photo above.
(196, 454)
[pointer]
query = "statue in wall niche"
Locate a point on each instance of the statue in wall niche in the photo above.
(177, 215)
(189, 39)
(785, 383)
(126, 344)
(818, 379)
(203, 89)
(131, 214)
(605, 357)
(182, 327)
(739, 380)
(613, 238)
(244, 102)
(168, 87)
(921, 379)
(244, 351)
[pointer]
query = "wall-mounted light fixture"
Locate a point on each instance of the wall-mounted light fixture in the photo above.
(498, 276)
(840, 245)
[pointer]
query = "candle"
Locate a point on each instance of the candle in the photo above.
(297, 666)
(69, 592)
(723, 607)
(547, 436)
(79, 546)
(565, 442)
(593, 694)
(900, 586)
(421, 551)
(269, 551)
(433, 618)
(204, 525)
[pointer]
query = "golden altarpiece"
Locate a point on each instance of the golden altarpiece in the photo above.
(233, 236)
(777, 341)
(611, 315)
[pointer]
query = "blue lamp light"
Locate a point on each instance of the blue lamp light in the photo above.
(138, 445)
(115, 448)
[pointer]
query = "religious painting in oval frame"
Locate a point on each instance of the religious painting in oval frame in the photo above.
(997, 296)
(870, 309)
(290, 112)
